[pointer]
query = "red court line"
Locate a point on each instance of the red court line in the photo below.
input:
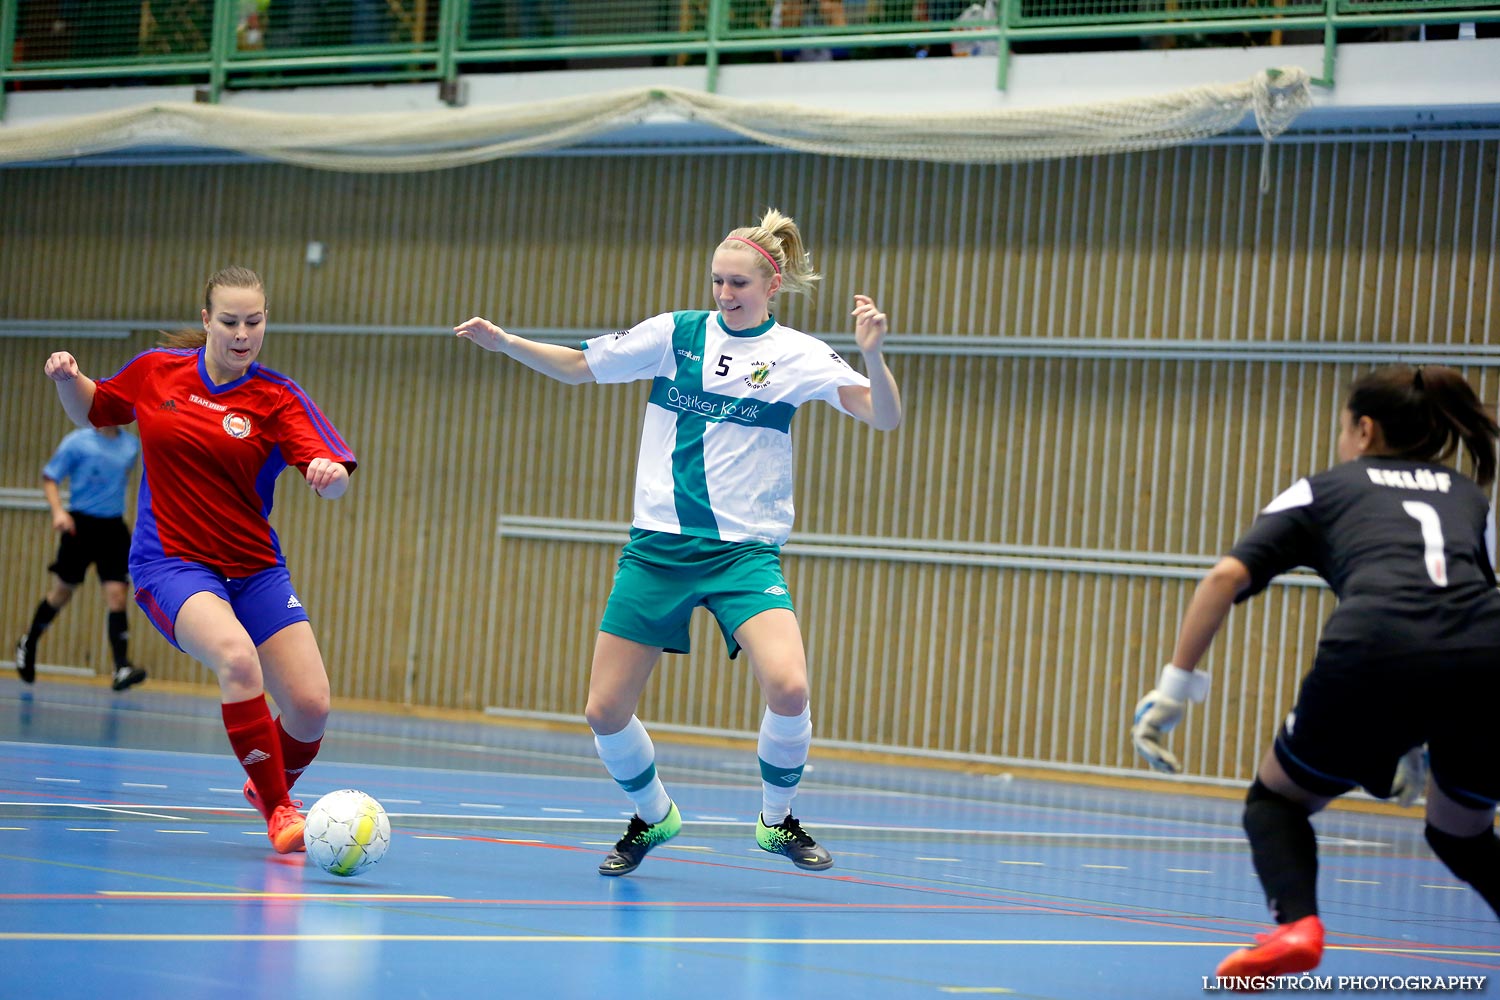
(1076, 909)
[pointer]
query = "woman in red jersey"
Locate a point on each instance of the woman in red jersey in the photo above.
(216, 430)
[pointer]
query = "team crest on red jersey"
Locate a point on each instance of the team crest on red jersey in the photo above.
(237, 426)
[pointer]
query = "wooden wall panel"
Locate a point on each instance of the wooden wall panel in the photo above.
(1001, 576)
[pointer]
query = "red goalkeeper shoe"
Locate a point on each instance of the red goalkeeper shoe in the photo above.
(1293, 947)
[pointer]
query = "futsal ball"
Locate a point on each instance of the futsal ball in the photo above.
(347, 831)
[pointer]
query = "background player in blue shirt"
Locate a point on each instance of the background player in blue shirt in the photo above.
(1410, 655)
(96, 463)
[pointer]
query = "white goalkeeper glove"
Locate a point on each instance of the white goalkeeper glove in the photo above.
(1411, 776)
(1161, 709)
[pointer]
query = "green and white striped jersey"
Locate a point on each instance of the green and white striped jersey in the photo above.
(716, 447)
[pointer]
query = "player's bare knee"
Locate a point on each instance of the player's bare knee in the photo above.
(309, 709)
(605, 718)
(788, 696)
(236, 664)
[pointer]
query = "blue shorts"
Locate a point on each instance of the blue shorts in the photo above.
(265, 603)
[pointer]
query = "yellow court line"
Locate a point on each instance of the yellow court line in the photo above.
(663, 939)
(266, 895)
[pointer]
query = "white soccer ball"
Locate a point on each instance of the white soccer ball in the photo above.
(347, 831)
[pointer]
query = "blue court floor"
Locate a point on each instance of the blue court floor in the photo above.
(130, 867)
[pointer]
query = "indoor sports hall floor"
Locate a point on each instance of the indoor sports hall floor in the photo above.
(130, 867)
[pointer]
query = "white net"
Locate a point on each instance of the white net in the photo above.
(431, 140)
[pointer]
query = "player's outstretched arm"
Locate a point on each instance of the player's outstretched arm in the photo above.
(566, 364)
(328, 477)
(1180, 683)
(74, 389)
(880, 404)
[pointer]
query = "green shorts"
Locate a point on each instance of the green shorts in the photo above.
(662, 577)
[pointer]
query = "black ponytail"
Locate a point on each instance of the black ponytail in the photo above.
(1425, 413)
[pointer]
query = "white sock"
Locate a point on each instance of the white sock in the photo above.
(784, 743)
(630, 758)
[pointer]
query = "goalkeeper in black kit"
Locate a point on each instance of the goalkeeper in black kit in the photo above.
(1411, 655)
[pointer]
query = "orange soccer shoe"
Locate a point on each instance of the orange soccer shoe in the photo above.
(285, 828)
(1293, 947)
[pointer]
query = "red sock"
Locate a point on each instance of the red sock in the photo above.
(252, 734)
(295, 755)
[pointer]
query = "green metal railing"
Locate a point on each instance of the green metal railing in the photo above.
(219, 44)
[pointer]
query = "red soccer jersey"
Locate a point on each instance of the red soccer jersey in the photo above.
(211, 455)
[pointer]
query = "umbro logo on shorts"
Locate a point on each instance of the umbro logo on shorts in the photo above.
(255, 757)
(292, 602)
(778, 590)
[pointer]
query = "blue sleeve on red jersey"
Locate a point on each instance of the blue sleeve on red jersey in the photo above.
(303, 432)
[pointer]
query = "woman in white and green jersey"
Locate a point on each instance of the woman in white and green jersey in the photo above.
(713, 505)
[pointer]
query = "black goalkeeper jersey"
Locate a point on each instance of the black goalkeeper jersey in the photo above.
(1407, 547)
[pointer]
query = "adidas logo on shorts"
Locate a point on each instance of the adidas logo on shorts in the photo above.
(292, 602)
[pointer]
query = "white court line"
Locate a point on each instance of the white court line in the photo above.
(480, 805)
(199, 833)
(574, 940)
(939, 859)
(139, 784)
(1120, 868)
(430, 742)
(61, 781)
(559, 809)
(1190, 871)
(1121, 838)
(1036, 864)
(89, 829)
(128, 806)
(1357, 881)
(123, 811)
